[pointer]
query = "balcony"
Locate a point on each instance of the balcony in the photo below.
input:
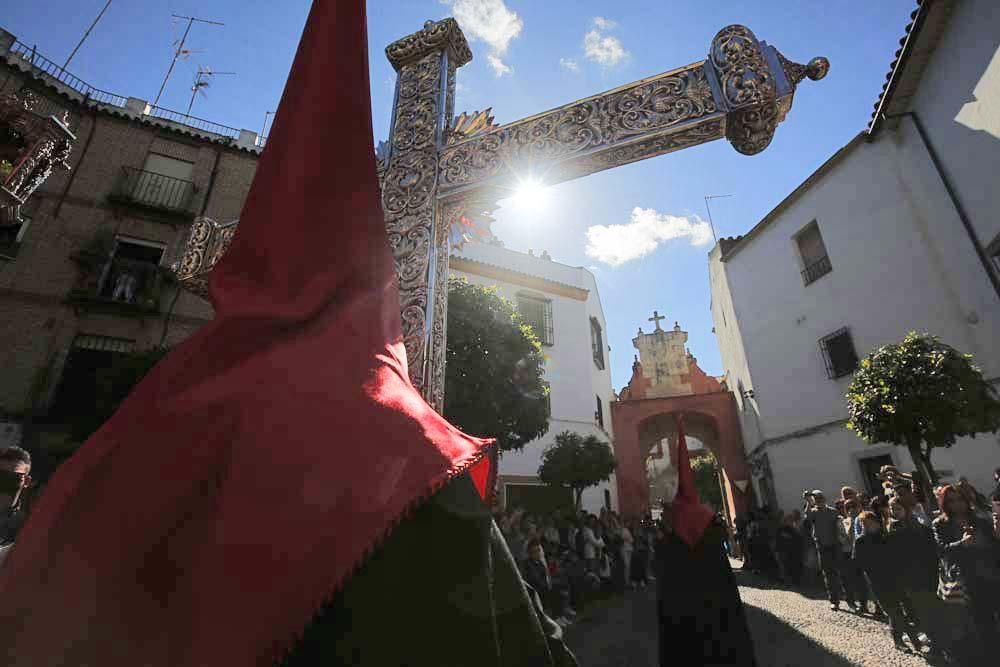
(125, 287)
(154, 192)
(816, 270)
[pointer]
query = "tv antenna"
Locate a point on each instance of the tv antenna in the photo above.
(181, 52)
(201, 82)
(263, 128)
(86, 35)
(707, 208)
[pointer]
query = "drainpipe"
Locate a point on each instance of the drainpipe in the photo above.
(79, 162)
(178, 288)
(963, 216)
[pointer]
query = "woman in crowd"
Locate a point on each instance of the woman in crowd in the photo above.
(627, 549)
(790, 547)
(854, 577)
(875, 555)
(969, 569)
(592, 544)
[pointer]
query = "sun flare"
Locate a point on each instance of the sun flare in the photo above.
(531, 194)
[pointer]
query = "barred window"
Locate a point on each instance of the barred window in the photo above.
(839, 354)
(597, 342)
(599, 414)
(537, 313)
(812, 250)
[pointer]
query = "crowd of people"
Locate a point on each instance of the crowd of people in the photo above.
(932, 570)
(569, 556)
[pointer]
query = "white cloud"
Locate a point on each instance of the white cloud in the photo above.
(603, 49)
(499, 67)
(602, 23)
(491, 22)
(648, 228)
(570, 64)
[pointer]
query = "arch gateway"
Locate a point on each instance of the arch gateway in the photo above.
(667, 383)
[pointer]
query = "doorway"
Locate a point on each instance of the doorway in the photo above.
(869, 472)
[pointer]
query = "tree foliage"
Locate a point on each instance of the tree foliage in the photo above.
(920, 393)
(111, 386)
(578, 462)
(706, 478)
(493, 377)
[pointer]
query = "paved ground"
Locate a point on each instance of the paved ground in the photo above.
(789, 630)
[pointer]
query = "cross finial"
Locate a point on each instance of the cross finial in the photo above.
(655, 319)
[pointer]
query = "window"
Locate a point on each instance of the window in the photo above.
(168, 166)
(131, 272)
(812, 252)
(839, 354)
(75, 394)
(597, 342)
(599, 415)
(537, 312)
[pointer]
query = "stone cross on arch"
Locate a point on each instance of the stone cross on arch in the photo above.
(655, 319)
(438, 175)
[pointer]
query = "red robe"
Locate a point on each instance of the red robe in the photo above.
(264, 459)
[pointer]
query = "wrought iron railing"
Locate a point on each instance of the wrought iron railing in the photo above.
(816, 270)
(260, 141)
(147, 188)
(193, 121)
(46, 66)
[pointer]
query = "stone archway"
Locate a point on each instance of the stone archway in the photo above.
(712, 418)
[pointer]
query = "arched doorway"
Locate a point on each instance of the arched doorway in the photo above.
(640, 424)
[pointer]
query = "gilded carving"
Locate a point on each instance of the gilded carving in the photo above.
(743, 72)
(207, 242)
(434, 38)
(592, 124)
(751, 130)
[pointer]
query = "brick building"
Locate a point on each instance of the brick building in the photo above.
(83, 278)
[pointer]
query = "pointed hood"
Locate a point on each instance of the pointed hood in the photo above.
(256, 467)
(690, 518)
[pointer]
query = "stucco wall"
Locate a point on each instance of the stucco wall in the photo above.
(573, 377)
(959, 104)
(900, 263)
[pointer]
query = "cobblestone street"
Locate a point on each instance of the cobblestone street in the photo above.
(789, 629)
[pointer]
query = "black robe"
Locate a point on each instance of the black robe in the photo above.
(443, 590)
(702, 620)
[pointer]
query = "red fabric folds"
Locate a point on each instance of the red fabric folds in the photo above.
(690, 518)
(249, 474)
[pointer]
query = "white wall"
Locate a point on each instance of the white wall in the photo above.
(573, 377)
(901, 261)
(959, 103)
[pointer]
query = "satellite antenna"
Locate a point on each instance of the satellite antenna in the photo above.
(201, 82)
(180, 50)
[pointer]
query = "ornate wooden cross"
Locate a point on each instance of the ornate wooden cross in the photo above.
(655, 319)
(437, 175)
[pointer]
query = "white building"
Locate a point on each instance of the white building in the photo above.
(898, 231)
(565, 310)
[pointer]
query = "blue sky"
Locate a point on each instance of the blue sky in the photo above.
(532, 55)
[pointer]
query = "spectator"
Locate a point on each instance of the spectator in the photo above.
(854, 576)
(628, 548)
(885, 570)
(536, 574)
(903, 490)
(15, 479)
(848, 493)
(790, 545)
(969, 569)
(516, 539)
(913, 544)
(640, 556)
(880, 508)
(592, 544)
(824, 525)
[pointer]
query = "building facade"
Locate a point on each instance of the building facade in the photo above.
(563, 306)
(84, 277)
(896, 232)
